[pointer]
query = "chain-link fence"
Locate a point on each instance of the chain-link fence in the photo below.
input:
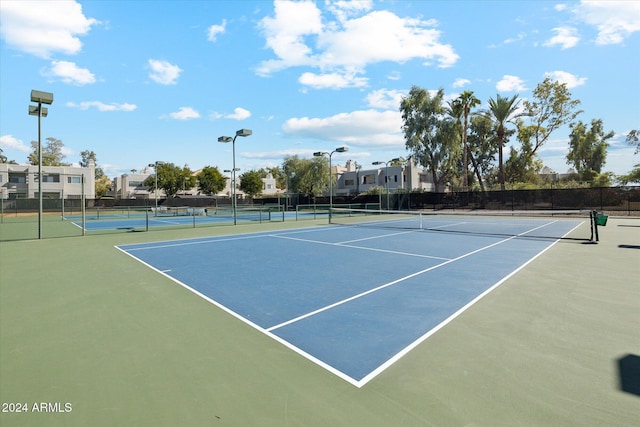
(72, 216)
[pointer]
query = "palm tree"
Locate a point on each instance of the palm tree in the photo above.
(502, 111)
(460, 110)
(468, 101)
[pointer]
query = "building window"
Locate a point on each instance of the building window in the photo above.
(74, 180)
(369, 179)
(16, 178)
(349, 182)
(51, 178)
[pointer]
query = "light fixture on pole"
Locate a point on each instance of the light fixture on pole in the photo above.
(323, 153)
(386, 174)
(40, 111)
(155, 191)
(226, 139)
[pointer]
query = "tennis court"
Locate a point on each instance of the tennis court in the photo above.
(373, 322)
(355, 298)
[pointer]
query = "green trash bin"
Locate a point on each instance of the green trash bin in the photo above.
(601, 219)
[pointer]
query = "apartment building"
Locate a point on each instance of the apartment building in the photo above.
(58, 182)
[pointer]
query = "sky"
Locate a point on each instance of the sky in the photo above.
(144, 81)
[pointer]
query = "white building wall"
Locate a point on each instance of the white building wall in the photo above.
(21, 181)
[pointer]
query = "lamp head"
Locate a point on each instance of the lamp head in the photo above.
(377, 163)
(225, 139)
(244, 132)
(41, 97)
(35, 111)
(341, 149)
(318, 154)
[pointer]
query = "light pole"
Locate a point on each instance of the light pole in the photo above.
(40, 111)
(155, 192)
(225, 139)
(323, 153)
(386, 174)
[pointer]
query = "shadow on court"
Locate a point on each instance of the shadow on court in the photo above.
(629, 373)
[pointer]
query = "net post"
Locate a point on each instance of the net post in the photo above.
(593, 218)
(84, 211)
(146, 214)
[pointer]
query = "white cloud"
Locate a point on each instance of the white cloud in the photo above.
(614, 20)
(185, 113)
(43, 28)
(299, 35)
(239, 114)
(364, 128)
(100, 106)
(344, 9)
(510, 84)
(214, 30)
(9, 142)
(285, 34)
(386, 99)
(461, 83)
(332, 80)
(571, 80)
(164, 72)
(566, 37)
(70, 73)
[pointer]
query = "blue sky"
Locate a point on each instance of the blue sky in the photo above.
(140, 81)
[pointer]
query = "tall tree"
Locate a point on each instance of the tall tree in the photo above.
(306, 176)
(482, 145)
(103, 183)
(633, 138)
(171, 179)
(251, 183)
(468, 101)
(588, 148)
(430, 134)
(210, 180)
(551, 108)
(502, 111)
(85, 156)
(52, 154)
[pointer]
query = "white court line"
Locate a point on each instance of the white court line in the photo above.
(377, 237)
(183, 243)
(386, 285)
(320, 242)
(337, 372)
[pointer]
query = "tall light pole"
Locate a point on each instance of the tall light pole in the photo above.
(155, 192)
(323, 153)
(386, 174)
(225, 139)
(40, 111)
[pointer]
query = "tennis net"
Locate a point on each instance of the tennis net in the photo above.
(568, 224)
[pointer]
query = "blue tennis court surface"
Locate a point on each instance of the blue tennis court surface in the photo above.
(353, 300)
(140, 221)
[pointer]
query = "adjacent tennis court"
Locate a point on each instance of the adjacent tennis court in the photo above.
(356, 298)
